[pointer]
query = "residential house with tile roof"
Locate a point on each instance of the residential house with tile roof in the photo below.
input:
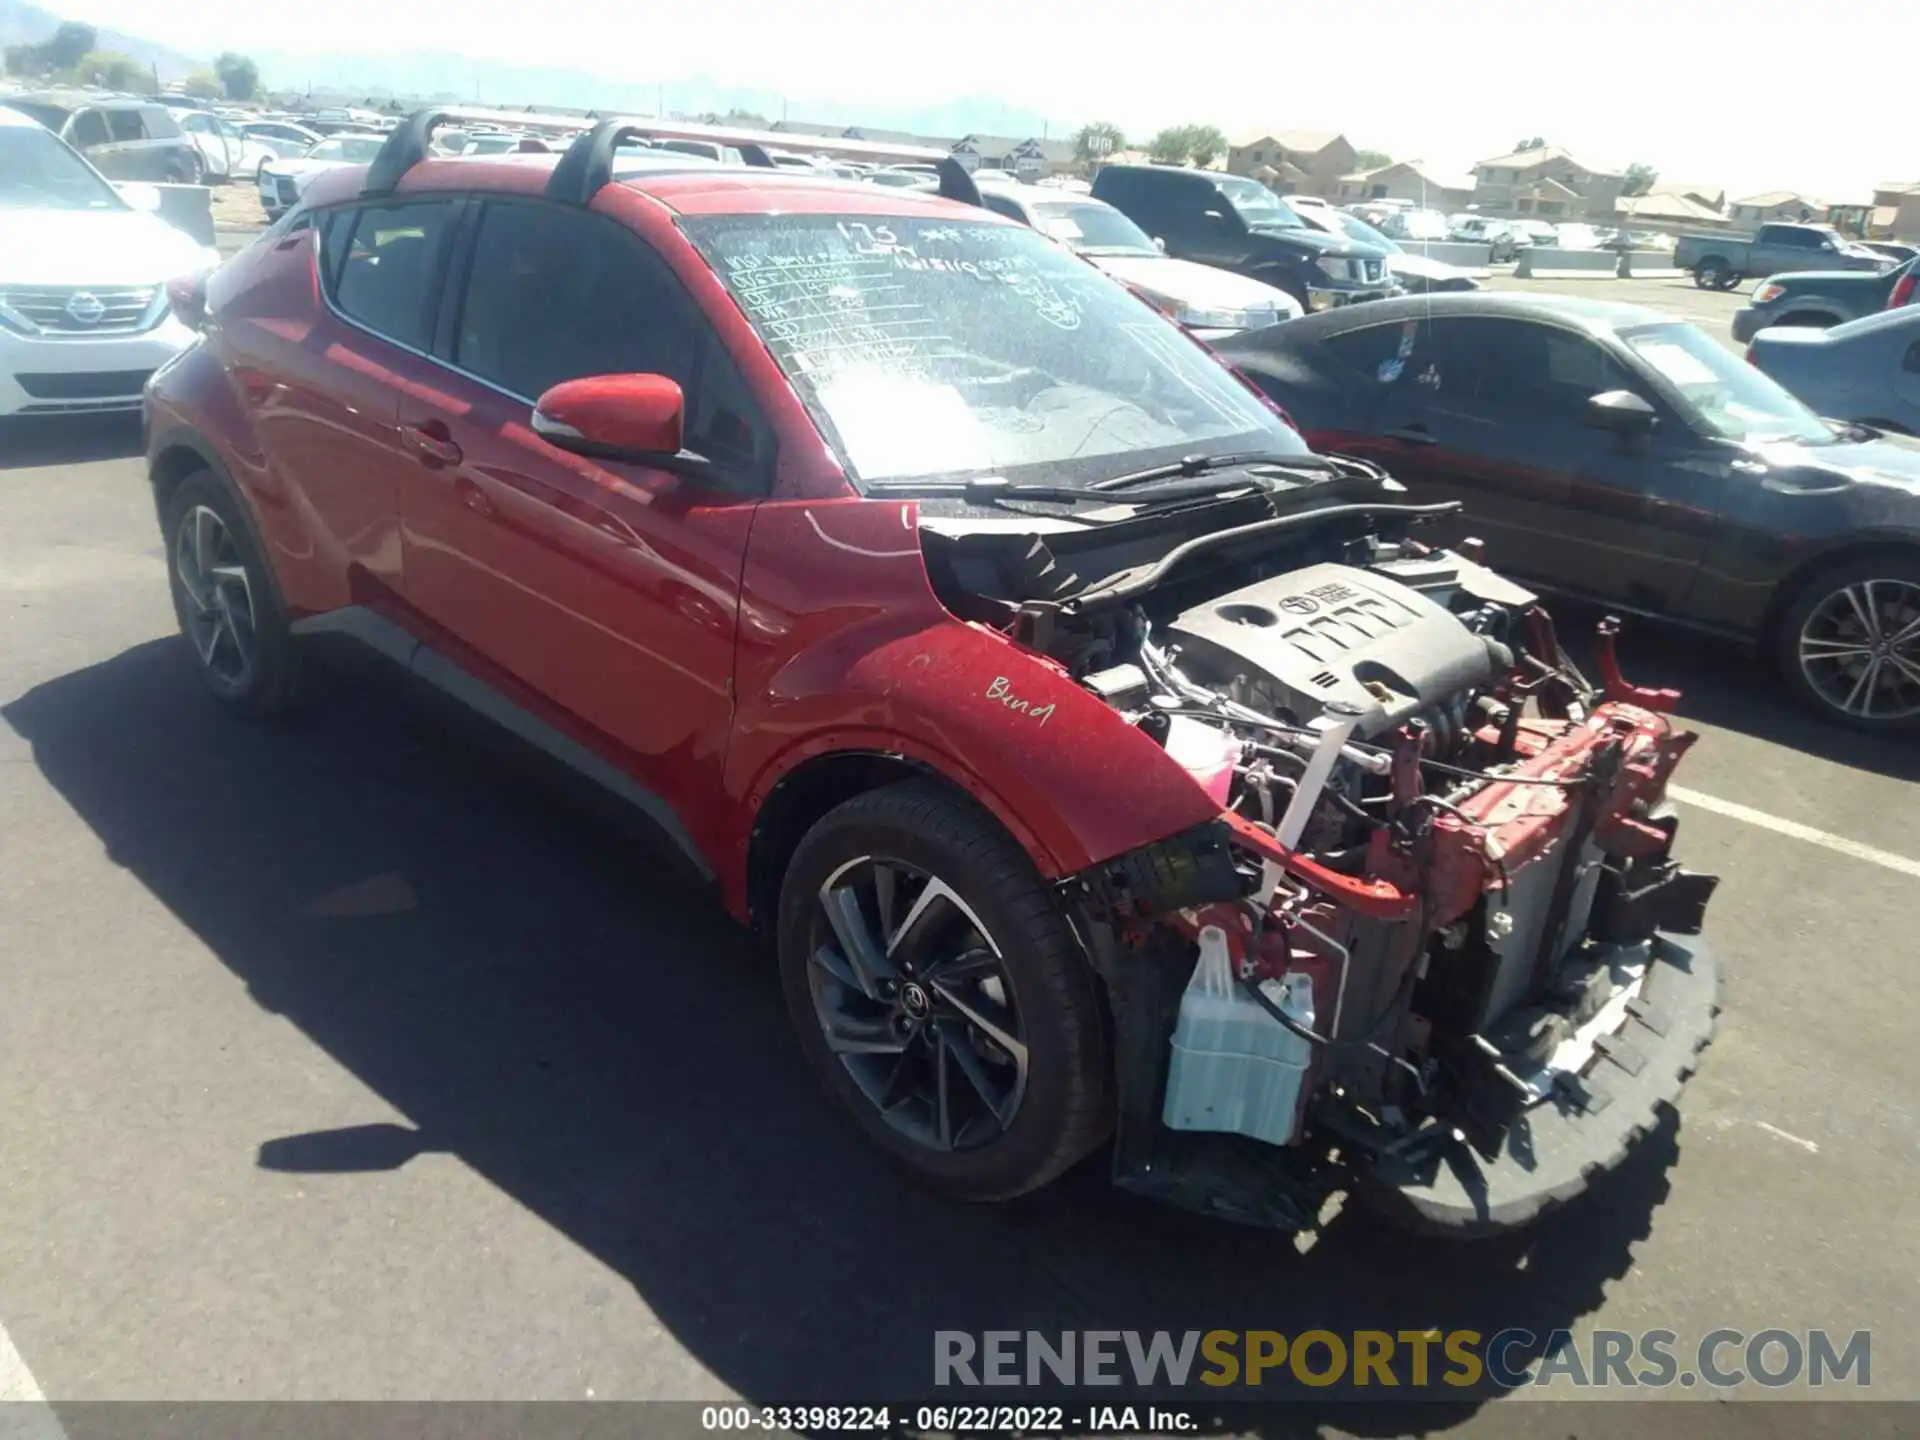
(1303, 162)
(1546, 183)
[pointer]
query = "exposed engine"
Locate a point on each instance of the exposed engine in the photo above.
(1437, 896)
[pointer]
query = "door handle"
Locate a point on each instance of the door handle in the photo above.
(432, 442)
(1412, 435)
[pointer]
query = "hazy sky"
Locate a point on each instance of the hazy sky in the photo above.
(1698, 88)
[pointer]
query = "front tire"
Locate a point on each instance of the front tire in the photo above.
(227, 605)
(940, 995)
(1849, 643)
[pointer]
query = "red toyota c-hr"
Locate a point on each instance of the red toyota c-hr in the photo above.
(1097, 757)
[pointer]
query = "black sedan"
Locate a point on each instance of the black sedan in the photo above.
(1608, 451)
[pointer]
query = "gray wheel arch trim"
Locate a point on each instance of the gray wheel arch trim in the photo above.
(376, 632)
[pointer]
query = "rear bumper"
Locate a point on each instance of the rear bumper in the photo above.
(1749, 321)
(80, 375)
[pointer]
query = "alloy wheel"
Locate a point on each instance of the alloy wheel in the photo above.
(219, 614)
(1860, 649)
(914, 1000)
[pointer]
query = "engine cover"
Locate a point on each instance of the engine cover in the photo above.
(1332, 632)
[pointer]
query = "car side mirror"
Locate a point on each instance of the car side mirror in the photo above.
(187, 299)
(636, 419)
(1626, 414)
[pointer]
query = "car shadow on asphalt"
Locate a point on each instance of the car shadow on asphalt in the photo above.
(1726, 685)
(36, 440)
(541, 997)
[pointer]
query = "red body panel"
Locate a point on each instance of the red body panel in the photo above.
(704, 643)
(844, 646)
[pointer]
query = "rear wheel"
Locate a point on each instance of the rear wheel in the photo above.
(1849, 643)
(940, 995)
(1711, 273)
(226, 603)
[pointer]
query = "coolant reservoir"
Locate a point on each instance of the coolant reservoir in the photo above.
(1234, 1067)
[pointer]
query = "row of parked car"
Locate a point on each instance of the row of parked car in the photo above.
(1224, 257)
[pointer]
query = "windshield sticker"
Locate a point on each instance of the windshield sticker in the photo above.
(1389, 370)
(1408, 332)
(890, 419)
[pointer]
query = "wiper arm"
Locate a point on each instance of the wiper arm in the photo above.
(991, 489)
(1193, 465)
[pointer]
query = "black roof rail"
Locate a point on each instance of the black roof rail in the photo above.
(409, 144)
(587, 167)
(956, 182)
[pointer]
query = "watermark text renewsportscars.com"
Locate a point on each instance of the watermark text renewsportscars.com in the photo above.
(1415, 1359)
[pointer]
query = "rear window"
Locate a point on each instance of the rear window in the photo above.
(384, 267)
(123, 125)
(53, 117)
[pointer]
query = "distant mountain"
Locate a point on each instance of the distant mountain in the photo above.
(443, 75)
(447, 76)
(24, 24)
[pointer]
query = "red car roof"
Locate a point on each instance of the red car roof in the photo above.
(693, 191)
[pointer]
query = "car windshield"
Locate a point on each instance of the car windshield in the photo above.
(354, 149)
(1257, 204)
(38, 172)
(1734, 400)
(1422, 225)
(1091, 228)
(1357, 229)
(933, 347)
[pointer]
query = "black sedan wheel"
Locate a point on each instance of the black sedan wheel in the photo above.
(939, 993)
(1851, 643)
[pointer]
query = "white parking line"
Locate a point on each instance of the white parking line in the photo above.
(1794, 830)
(24, 1412)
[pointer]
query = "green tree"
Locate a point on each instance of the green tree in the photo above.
(1172, 145)
(1536, 143)
(202, 84)
(70, 44)
(24, 60)
(745, 119)
(239, 76)
(111, 69)
(1097, 140)
(1371, 159)
(1206, 145)
(1640, 179)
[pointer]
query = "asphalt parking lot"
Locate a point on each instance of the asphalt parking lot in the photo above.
(351, 1059)
(1711, 310)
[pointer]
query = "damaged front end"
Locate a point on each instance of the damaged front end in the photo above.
(1435, 950)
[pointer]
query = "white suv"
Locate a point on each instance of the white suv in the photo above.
(83, 275)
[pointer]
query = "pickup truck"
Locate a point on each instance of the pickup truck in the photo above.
(1720, 262)
(1820, 299)
(1238, 224)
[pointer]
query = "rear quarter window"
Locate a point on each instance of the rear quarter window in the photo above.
(383, 266)
(159, 122)
(125, 125)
